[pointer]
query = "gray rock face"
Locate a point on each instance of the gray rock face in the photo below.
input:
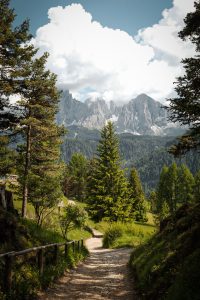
(71, 111)
(141, 116)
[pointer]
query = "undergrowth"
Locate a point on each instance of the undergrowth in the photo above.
(119, 235)
(17, 234)
(168, 265)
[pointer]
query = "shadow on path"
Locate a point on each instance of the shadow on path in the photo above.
(104, 275)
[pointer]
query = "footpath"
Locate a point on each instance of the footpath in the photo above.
(103, 276)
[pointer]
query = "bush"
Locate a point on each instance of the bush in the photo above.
(112, 234)
(127, 234)
(72, 218)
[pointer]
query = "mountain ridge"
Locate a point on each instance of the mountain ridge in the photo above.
(140, 116)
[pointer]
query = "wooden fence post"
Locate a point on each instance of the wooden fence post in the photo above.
(8, 273)
(55, 258)
(78, 246)
(66, 250)
(73, 246)
(41, 261)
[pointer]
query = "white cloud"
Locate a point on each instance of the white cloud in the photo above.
(90, 59)
(163, 37)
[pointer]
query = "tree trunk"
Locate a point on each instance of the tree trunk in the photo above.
(2, 197)
(26, 171)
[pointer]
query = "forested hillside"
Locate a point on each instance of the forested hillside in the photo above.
(147, 154)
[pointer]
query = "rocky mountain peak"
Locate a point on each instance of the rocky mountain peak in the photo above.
(141, 115)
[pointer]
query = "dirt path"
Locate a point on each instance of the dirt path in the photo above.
(104, 275)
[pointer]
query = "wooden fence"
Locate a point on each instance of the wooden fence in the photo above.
(9, 259)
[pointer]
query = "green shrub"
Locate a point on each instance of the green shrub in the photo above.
(26, 283)
(112, 234)
(126, 234)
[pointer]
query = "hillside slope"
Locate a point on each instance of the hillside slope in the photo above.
(147, 154)
(168, 266)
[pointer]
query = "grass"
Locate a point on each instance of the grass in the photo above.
(151, 218)
(51, 223)
(30, 208)
(117, 235)
(78, 234)
(168, 265)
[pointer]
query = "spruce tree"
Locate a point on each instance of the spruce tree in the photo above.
(171, 186)
(162, 189)
(78, 174)
(153, 201)
(185, 185)
(164, 205)
(137, 197)
(107, 187)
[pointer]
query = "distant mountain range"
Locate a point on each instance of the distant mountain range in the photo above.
(140, 116)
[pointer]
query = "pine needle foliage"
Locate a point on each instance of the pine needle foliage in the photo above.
(108, 195)
(15, 52)
(185, 108)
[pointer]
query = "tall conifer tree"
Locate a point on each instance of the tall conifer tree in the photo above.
(137, 197)
(172, 186)
(107, 188)
(78, 174)
(39, 171)
(15, 52)
(162, 189)
(185, 185)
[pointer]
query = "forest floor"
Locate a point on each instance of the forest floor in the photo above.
(104, 275)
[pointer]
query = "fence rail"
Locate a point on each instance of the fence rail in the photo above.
(9, 258)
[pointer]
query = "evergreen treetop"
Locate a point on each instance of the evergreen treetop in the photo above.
(185, 108)
(107, 186)
(15, 53)
(137, 197)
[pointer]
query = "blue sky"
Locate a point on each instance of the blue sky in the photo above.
(114, 49)
(128, 15)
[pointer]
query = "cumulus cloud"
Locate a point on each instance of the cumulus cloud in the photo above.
(92, 60)
(163, 37)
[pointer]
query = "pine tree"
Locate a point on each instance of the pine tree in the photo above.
(164, 212)
(162, 189)
(15, 52)
(171, 186)
(107, 186)
(78, 174)
(137, 197)
(185, 108)
(165, 193)
(39, 172)
(153, 201)
(197, 187)
(185, 185)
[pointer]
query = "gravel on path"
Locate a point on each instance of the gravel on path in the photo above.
(103, 276)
